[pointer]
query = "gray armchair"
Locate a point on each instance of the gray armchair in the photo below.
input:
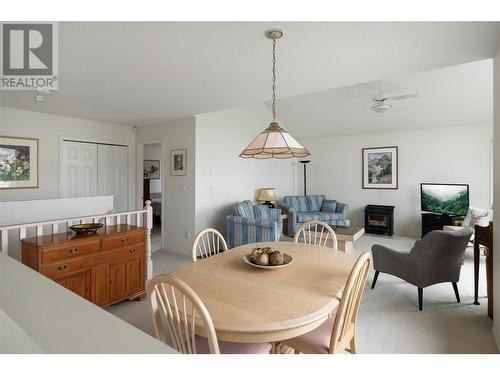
(436, 258)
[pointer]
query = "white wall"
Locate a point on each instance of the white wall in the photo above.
(154, 152)
(222, 177)
(49, 129)
(496, 189)
(448, 155)
(178, 191)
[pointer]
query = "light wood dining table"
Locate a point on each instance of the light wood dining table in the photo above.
(249, 304)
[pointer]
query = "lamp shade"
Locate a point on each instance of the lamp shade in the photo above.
(274, 142)
(267, 195)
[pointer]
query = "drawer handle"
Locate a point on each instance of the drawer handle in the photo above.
(74, 250)
(62, 268)
(124, 239)
(131, 250)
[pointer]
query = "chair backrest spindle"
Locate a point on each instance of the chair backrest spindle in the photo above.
(207, 243)
(316, 233)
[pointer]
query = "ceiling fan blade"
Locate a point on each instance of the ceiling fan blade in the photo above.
(403, 97)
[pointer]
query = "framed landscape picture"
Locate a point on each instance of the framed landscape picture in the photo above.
(152, 169)
(178, 162)
(18, 163)
(380, 167)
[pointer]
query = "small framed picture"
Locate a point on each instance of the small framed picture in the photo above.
(178, 162)
(152, 169)
(18, 163)
(380, 167)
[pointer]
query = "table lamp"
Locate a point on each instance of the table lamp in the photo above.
(267, 196)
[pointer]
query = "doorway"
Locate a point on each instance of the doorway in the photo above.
(151, 186)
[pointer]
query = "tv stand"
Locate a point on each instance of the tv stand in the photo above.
(432, 221)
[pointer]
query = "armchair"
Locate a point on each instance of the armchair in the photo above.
(301, 209)
(251, 223)
(436, 258)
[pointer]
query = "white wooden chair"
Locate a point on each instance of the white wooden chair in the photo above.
(316, 233)
(178, 312)
(207, 243)
(338, 332)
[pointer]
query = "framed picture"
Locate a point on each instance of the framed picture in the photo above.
(152, 169)
(380, 167)
(178, 162)
(18, 163)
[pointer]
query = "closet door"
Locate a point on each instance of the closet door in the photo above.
(113, 174)
(78, 170)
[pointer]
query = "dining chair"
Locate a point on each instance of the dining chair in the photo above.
(177, 311)
(316, 233)
(207, 243)
(339, 331)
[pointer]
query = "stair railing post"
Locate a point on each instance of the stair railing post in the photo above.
(149, 226)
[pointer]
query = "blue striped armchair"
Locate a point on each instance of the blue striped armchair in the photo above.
(251, 224)
(300, 209)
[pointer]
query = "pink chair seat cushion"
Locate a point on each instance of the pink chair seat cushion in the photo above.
(227, 347)
(318, 340)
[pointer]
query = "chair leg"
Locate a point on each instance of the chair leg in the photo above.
(420, 297)
(375, 279)
(352, 345)
(455, 288)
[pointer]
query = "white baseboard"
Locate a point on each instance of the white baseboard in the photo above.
(495, 339)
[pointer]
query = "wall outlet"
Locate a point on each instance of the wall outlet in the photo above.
(187, 234)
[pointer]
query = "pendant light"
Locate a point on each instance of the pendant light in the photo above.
(274, 142)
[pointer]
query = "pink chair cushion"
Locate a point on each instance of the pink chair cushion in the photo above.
(318, 340)
(227, 347)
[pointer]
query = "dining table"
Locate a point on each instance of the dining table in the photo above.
(251, 305)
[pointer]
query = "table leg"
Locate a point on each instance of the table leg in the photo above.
(489, 280)
(345, 246)
(476, 272)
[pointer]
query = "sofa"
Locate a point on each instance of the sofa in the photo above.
(253, 223)
(300, 209)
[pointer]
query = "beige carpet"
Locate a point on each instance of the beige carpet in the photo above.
(389, 320)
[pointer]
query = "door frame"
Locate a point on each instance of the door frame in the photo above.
(139, 153)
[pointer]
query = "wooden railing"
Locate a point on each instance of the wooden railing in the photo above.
(142, 218)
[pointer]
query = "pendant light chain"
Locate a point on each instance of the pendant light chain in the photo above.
(274, 79)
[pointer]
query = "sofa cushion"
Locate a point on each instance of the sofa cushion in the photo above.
(261, 211)
(327, 217)
(245, 209)
(298, 202)
(314, 202)
(329, 205)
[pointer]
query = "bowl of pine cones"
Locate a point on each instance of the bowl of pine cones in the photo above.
(267, 258)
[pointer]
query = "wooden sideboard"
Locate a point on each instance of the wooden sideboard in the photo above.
(104, 268)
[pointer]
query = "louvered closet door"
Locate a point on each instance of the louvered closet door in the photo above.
(113, 174)
(78, 170)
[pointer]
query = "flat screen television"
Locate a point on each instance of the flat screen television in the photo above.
(446, 199)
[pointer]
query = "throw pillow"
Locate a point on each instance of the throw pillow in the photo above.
(329, 205)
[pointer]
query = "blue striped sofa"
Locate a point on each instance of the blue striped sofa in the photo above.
(300, 208)
(251, 223)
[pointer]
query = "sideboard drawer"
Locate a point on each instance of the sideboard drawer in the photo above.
(59, 270)
(69, 250)
(127, 239)
(133, 251)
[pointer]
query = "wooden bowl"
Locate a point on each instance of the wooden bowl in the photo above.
(288, 261)
(90, 228)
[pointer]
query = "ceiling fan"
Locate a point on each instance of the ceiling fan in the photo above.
(380, 102)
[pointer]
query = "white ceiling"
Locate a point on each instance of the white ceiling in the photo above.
(136, 73)
(452, 96)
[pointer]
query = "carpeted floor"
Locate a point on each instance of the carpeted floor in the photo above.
(389, 320)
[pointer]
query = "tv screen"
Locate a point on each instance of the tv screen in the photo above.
(447, 199)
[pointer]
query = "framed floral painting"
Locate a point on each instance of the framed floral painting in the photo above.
(18, 163)
(178, 162)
